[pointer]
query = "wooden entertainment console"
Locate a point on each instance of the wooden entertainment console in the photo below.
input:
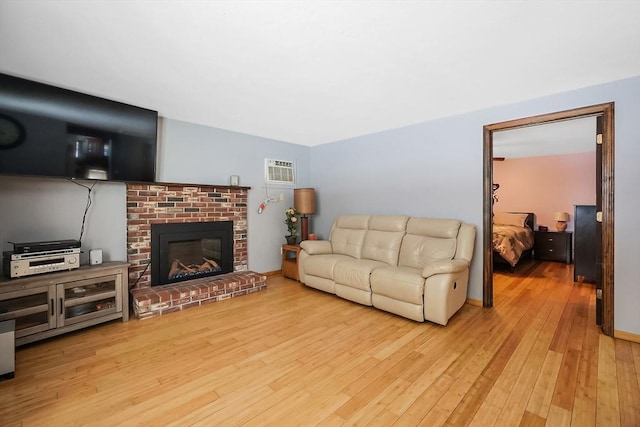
(51, 304)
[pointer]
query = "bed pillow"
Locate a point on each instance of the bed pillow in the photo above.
(507, 218)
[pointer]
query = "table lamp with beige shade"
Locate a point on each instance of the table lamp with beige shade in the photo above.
(304, 202)
(561, 220)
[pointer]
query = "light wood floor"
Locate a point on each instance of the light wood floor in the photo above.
(293, 356)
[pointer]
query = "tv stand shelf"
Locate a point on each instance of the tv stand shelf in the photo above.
(51, 304)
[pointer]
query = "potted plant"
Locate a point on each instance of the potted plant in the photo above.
(292, 225)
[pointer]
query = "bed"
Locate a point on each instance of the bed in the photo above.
(512, 239)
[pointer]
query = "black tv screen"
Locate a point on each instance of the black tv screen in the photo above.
(50, 131)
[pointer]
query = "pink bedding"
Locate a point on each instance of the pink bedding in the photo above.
(510, 241)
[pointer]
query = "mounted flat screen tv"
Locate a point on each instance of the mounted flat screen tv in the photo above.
(50, 131)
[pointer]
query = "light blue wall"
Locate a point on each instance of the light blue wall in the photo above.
(201, 154)
(41, 209)
(35, 209)
(436, 169)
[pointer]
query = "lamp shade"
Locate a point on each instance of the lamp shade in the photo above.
(561, 216)
(304, 200)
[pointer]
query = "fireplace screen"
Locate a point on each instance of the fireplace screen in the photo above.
(190, 250)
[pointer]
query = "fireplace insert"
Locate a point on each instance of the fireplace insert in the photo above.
(186, 251)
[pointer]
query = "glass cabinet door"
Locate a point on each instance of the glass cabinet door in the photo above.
(32, 309)
(87, 299)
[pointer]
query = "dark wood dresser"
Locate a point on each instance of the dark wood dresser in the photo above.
(585, 244)
(553, 246)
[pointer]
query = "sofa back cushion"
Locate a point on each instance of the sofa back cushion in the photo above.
(427, 240)
(466, 241)
(347, 234)
(384, 237)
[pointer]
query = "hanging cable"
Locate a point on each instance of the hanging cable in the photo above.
(88, 205)
(263, 204)
(140, 277)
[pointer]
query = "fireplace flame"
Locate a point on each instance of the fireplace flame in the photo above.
(179, 270)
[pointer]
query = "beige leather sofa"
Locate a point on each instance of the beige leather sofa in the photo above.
(414, 267)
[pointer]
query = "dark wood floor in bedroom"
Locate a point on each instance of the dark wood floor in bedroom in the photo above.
(295, 356)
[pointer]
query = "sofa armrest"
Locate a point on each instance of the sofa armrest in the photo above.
(444, 266)
(316, 247)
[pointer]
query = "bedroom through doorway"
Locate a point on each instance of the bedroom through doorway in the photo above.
(539, 174)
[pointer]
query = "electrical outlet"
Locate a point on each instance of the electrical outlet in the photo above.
(280, 250)
(282, 197)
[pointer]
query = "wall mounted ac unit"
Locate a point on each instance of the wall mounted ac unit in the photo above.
(279, 171)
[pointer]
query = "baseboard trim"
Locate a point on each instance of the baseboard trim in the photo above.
(272, 273)
(627, 336)
(476, 302)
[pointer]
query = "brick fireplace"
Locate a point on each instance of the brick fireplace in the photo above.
(149, 204)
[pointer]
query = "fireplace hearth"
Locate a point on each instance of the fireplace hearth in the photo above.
(187, 251)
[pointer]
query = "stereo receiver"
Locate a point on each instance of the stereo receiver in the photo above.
(26, 264)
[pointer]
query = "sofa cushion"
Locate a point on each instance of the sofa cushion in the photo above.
(315, 247)
(418, 251)
(401, 308)
(434, 227)
(428, 240)
(353, 294)
(382, 246)
(320, 283)
(322, 265)
(388, 223)
(383, 240)
(355, 273)
(466, 241)
(400, 283)
(345, 241)
(347, 234)
(356, 222)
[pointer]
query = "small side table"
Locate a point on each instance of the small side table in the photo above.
(553, 246)
(290, 255)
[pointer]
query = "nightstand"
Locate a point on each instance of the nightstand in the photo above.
(290, 255)
(553, 246)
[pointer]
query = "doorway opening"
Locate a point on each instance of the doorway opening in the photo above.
(605, 196)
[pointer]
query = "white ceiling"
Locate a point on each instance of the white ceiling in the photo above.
(312, 72)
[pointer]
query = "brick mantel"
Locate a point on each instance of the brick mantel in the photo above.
(180, 203)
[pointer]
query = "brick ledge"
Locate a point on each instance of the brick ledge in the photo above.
(158, 300)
